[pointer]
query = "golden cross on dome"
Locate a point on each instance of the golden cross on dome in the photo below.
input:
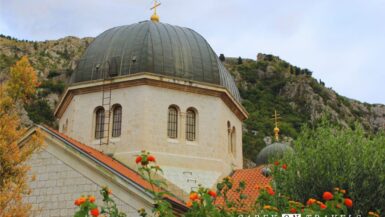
(276, 118)
(155, 17)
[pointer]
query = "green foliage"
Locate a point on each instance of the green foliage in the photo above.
(261, 96)
(148, 170)
(52, 86)
(65, 54)
(240, 61)
(88, 207)
(52, 74)
(39, 111)
(6, 61)
(330, 156)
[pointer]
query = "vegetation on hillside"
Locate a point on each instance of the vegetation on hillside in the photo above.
(265, 85)
(270, 84)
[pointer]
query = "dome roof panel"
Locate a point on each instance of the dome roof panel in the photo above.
(275, 150)
(157, 48)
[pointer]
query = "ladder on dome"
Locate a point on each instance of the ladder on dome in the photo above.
(106, 104)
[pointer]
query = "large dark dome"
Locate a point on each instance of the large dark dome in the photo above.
(157, 48)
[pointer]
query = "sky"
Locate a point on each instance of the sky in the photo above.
(342, 42)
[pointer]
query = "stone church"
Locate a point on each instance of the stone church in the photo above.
(145, 86)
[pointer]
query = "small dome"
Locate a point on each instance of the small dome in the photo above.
(156, 48)
(274, 150)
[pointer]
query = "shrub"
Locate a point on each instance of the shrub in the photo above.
(39, 111)
(331, 156)
(53, 74)
(53, 86)
(240, 61)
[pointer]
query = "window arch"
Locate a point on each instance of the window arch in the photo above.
(191, 124)
(99, 123)
(172, 126)
(116, 120)
(233, 141)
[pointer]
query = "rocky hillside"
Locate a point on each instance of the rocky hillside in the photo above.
(266, 85)
(270, 84)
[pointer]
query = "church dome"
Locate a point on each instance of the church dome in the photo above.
(156, 48)
(274, 150)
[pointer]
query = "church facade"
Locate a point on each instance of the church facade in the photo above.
(161, 88)
(146, 86)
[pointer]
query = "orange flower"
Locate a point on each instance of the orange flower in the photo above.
(270, 190)
(311, 201)
(91, 199)
(338, 206)
(343, 191)
(189, 203)
(194, 196)
(322, 206)
(276, 163)
(80, 201)
(77, 202)
(327, 195)
(109, 191)
(94, 212)
(212, 193)
(284, 166)
(293, 210)
(348, 202)
(151, 158)
(138, 159)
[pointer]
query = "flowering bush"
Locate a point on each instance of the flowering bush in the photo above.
(204, 201)
(329, 156)
(87, 206)
(147, 168)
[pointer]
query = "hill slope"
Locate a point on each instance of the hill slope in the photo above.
(266, 85)
(270, 84)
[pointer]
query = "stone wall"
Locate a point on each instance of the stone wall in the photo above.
(144, 127)
(57, 185)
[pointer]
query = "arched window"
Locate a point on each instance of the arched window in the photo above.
(172, 128)
(99, 123)
(233, 141)
(190, 125)
(116, 120)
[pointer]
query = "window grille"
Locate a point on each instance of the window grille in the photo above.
(99, 123)
(172, 129)
(233, 141)
(190, 125)
(117, 121)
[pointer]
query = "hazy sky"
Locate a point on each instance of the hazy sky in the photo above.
(342, 42)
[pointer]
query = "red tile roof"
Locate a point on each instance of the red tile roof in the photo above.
(252, 178)
(113, 164)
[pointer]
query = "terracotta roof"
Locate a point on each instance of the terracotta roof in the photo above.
(113, 164)
(253, 178)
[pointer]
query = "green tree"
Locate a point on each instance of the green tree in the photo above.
(331, 156)
(240, 61)
(39, 111)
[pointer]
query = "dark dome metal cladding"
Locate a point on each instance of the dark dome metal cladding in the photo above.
(276, 150)
(156, 48)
